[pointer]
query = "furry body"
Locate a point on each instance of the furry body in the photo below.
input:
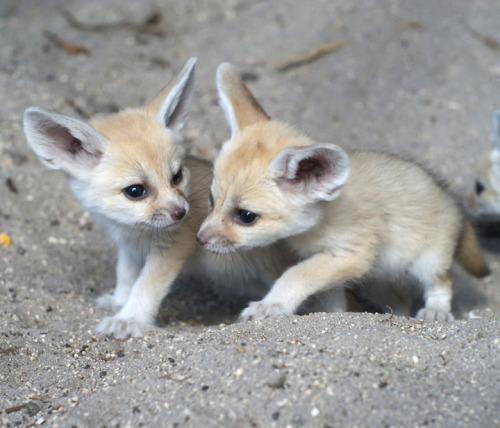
(357, 216)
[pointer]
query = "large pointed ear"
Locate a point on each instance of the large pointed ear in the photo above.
(62, 142)
(171, 104)
(318, 172)
(236, 100)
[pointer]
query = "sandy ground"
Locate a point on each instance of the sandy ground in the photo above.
(415, 78)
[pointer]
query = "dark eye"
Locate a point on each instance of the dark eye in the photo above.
(210, 200)
(479, 187)
(135, 192)
(247, 217)
(177, 178)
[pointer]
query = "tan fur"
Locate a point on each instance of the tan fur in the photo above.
(245, 105)
(387, 220)
(469, 254)
(137, 153)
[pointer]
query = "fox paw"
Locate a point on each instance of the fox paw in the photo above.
(261, 310)
(109, 301)
(429, 314)
(120, 328)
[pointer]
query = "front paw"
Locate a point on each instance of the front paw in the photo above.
(261, 310)
(109, 301)
(120, 328)
(429, 314)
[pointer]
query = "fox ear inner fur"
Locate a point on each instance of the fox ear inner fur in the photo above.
(319, 171)
(63, 142)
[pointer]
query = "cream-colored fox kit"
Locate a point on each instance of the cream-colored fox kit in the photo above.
(129, 170)
(348, 215)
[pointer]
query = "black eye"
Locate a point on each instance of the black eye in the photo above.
(247, 217)
(177, 178)
(479, 187)
(135, 192)
(210, 200)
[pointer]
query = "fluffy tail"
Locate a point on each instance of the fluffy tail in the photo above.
(468, 253)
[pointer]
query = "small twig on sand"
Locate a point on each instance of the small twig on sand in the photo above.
(15, 408)
(66, 46)
(313, 55)
(389, 320)
(411, 24)
(488, 41)
(180, 379)
(148, 26)
(42, 398)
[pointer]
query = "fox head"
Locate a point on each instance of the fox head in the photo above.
(127, 167)
(485, 199)
(270, 181)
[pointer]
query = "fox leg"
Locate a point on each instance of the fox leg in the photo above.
(437, 300)
(128, 269)
(154, 282)
(437, 287)
(317, 273)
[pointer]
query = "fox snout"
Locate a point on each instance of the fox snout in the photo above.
(208, 238)
(205, 236)
(202, 239)
(169, 216)
(178, 213)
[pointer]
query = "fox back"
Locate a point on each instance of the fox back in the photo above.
(388, 205)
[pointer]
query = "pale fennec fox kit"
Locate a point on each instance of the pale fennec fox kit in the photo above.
(349, 216)
(129, 170)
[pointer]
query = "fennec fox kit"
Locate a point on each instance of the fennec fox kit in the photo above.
(348, 215)
(485, 200)
(130, 172)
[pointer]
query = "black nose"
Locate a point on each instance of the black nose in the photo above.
(178, 214)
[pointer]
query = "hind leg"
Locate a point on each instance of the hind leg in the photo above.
(437, 301)
(437, 288)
